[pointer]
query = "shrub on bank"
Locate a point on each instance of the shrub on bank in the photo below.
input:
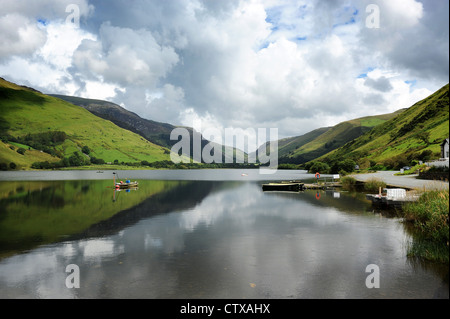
(373, 185)
(348, 182)
(430, 215)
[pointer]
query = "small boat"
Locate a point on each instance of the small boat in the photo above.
(126, 184)
(283, 187)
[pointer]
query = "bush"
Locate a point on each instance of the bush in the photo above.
(12, 165)
(98, 161)
(378, 167)
(430, 215)
(425, 155)
(346, 165)
(86, 150)
(319, 167)
(77, 160)
(348, 182)
(287, 166)
(21, 151)
(373, 185)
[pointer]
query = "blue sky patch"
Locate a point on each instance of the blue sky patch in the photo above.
(365, 72)
(43, 22)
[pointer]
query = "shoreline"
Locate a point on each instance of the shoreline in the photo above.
(403, 181)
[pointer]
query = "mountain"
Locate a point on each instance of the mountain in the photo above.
(155, 132)
(307, 147)
(414, 134)
(46, 128)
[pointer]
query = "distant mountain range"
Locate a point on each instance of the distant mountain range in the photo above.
(414, 134)
(113, 133)
(35, 127)
(155, 132)
(29, 120)
(312, 145)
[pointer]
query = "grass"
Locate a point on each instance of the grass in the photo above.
(430, 217)
(348, 182)
(29, 112)
(308, 147)
(7, 155)
(401, 135)
(374, 184)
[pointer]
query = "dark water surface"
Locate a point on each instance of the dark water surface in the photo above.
(201, 235)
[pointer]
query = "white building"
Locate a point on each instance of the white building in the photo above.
(444, 160)
(444, 149)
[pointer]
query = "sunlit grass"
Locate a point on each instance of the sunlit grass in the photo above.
(430, 217)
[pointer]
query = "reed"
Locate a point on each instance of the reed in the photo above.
(348, 182)
(430, 217)
(374, 184)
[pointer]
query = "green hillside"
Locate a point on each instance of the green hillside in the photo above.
(32, 120)
(413, 135)
(313, 145)
(155, 132)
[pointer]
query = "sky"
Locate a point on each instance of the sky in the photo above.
(294, 65)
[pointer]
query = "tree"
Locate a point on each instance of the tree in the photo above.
(319, 167)
(21, 151)
(348, 165)
(76, 160)
(424, 137)
(86, 150)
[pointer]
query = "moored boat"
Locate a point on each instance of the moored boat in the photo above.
(126, 184)
(283, 186)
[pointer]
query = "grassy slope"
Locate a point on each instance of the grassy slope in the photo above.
(400, 135)
(155, 132)
(334, 137)
(7, 155)
(26, 111)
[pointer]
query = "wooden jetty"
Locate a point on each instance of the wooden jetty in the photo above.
(325, 185)
(296, 186)
(285, 186)
(392, 197)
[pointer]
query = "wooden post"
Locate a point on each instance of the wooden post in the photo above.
(379, 191)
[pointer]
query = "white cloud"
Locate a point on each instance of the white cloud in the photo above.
(125, 56)
(20, 36)
(295, 65)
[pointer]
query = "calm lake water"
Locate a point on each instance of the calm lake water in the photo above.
(200, 234)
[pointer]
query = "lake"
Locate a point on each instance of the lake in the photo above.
(200, 234)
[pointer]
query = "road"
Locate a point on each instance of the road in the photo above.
(405, 181)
